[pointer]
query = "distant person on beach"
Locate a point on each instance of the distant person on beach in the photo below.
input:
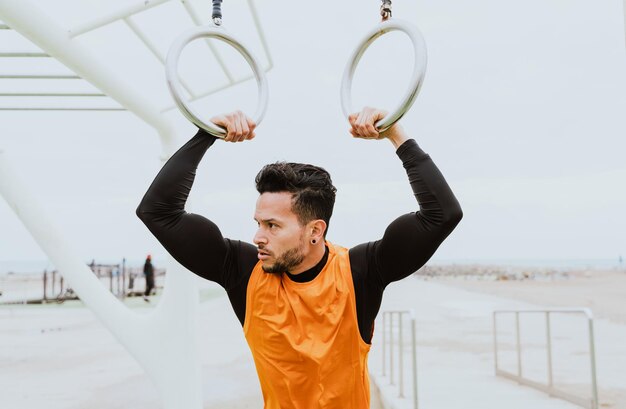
(307, 306)
(148, 272)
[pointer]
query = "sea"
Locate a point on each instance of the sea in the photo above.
(38, 266)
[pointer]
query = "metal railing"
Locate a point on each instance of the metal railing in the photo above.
(548, 387)
(388, 344)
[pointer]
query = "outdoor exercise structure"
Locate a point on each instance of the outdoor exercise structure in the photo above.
(173, 320)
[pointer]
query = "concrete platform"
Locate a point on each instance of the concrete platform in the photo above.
(456, 362)
(61, 357)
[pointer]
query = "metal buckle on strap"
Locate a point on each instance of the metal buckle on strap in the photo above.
(385, 9)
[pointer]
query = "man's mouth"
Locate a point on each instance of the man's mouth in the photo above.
(263, 255)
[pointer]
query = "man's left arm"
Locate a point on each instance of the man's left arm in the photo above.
(411, 239)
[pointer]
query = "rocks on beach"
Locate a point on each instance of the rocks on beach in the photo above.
(484, 272)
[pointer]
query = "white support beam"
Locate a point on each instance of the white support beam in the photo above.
(164, 342)
(24, 55)
(51, 94)
(153, 49)
(60, 109)
(257, 23)
(40, 77)
(114, 16)
(197, 20)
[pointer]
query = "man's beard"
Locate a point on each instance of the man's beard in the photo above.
(286, 261)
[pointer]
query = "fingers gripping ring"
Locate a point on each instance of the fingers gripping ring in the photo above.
(173, 81)
(418, 71)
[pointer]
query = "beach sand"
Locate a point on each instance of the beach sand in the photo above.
(604, 292)
(58, 356)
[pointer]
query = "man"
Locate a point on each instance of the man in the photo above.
(148, 272)
(307, 306)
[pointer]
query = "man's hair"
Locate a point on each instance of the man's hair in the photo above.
(312, 190)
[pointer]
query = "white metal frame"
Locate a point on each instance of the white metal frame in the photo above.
(126, 13)
(164, 342)
(549, 386)
(388, 344)
(45, 94)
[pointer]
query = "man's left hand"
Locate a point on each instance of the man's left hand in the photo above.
(364, 126)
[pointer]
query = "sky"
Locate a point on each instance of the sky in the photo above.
(522, 109)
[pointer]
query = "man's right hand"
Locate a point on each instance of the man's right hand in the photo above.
(239, 127)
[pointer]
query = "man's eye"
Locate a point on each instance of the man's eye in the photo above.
(271, 225)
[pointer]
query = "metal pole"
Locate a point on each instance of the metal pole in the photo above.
(119, 280)
(519, 346)
(549, 348)
(123, 277)
(112, 17)
(391, 348)
(40, 77)
(400, 356)
(51, 94)
(592, 353)
(45, 285)
(414, 363)
(257, 23)
(24, 55)
(111, 280)
(62, 109)
(212, 91)
(384, 340)
(197, 20)
(495, 341)
(154, 50)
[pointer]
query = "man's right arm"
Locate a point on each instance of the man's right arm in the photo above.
(193, 240)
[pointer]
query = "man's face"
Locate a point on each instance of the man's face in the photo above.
(280, 236)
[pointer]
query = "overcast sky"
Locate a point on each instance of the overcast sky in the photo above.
(523, 109)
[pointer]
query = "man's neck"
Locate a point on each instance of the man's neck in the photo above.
(312, 272)
(311, 259)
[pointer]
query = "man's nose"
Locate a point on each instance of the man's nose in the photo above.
(259, 238)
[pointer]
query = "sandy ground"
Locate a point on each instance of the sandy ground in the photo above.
(602, 291)
(470, 325)
(58, 356)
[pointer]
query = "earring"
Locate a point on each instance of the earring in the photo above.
(313, 241)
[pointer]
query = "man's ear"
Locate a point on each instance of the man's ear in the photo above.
(317, 228)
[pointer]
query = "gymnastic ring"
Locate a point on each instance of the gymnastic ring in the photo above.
(418, 71)
(173, 82)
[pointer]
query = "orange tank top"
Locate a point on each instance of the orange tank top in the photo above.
(305, 338)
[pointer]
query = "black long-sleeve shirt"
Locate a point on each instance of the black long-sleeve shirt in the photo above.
(197, 243)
